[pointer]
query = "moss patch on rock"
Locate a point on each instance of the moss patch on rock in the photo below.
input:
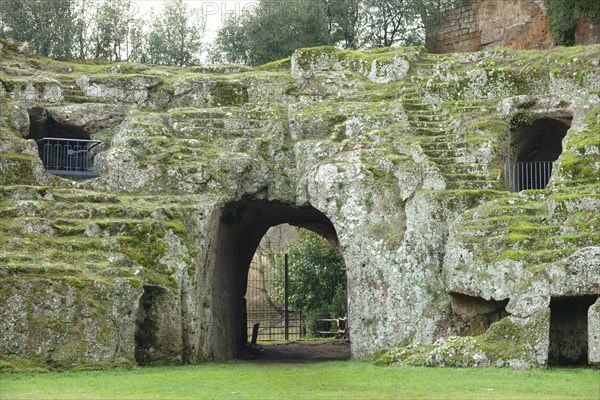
(505, 343)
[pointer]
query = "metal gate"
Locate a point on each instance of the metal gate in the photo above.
(68, 157)
(527, 175)
(276, 321)
(272, 325)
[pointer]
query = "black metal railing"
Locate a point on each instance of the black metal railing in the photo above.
(527, 175)
(69, 157)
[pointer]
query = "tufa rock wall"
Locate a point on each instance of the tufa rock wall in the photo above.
(395, 155)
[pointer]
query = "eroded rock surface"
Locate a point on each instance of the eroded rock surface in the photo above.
(395, 155)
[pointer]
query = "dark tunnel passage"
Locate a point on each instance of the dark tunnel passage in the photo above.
(542, 139)
(241, 227)
(569, 330)
(536, 146)
(42, 125)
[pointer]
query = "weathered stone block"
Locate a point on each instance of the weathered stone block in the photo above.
(594, 334)
(19, 119)
(492, 35)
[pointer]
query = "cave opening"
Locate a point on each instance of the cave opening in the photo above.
(242, 226)
(65, 150)
(146, 325)
(474, 315)
(535, 147)
(569, 330)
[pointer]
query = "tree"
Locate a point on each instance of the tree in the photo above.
(82, 28)
(48, 25)
(392, 22)
(232, 44)
(71, 28)
(317, 277)
(273, 30)
(346, 20)
(137, 42)
(113, 23)
(175, 34)
(401, 22)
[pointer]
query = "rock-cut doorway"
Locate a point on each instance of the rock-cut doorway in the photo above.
(242, 225)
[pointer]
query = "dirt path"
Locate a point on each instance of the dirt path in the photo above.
(300, 352)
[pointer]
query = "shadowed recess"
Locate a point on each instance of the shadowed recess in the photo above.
(241, 227)
(569, 330)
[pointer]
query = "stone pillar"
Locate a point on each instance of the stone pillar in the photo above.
(594, 334)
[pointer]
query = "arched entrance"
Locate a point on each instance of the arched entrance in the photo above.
(241, 227)
(535, 147)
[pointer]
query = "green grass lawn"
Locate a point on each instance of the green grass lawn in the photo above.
(328, 380)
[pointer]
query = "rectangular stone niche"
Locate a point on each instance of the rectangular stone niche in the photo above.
(569, 330)
(474, 315)
(147, 324)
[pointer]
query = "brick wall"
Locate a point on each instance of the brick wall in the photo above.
(458, 30)
(471, 25)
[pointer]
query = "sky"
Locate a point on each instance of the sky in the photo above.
(214, 12)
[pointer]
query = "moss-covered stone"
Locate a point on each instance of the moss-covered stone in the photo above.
(508, 342)
(400, 150)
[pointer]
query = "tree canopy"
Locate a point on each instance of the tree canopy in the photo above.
(171, 34)
(275, 28)
(317, 277)
(109, 30)
(271, 31)
(175, 35)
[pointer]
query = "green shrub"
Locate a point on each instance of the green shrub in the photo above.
(561, 17)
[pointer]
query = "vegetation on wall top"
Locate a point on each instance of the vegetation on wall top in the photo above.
(561, 17)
